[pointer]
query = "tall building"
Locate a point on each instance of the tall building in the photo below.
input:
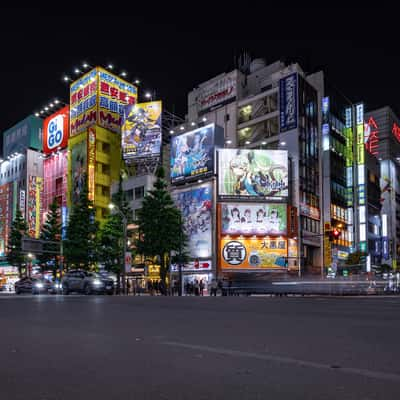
(274, 107)
(382, 137)
(97, 102)
(21, 177)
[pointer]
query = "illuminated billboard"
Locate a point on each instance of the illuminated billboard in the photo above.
(253, 219)
(99, 97)
(192, 153)
(141, 130)
(249, 174)
(288, 103)
(56, 131)
(253, 254)
(5, 216)
(35, 192)
(195, 205)
(195, 266)
(79, 169)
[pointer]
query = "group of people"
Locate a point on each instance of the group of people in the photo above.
(195, 288)
(156, 288)
(222, 286)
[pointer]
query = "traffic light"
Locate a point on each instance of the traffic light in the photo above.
(334, 234)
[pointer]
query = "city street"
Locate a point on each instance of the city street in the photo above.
(77, 347)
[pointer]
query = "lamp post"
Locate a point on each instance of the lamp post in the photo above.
(29, 269)
(124, 222)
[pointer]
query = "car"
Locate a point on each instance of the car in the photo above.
(86, 282)
(55, 287)
(31, 285)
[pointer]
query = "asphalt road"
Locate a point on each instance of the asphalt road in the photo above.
(76, 347)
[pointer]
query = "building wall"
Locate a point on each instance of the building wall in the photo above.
(26, 133)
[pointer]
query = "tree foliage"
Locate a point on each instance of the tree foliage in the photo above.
(160, 225)
(19, 229)
(51, 232)
(80, 245)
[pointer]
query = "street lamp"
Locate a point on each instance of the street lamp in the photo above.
(112, 206)
(30, 257)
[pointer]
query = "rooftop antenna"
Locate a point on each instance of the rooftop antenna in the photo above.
(244, 62)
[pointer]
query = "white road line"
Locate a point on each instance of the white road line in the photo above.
(287, 360)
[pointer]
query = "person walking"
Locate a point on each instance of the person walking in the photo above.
(201, 286)
(213, 288)
(150, 287)
(196, 288)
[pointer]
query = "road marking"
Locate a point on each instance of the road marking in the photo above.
(287, 360)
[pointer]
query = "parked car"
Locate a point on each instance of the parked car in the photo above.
(86, 282)
(31, 285)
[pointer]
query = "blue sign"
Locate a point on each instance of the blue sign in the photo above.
(288, 103)
(385, 248)
(64, 219)
(325, 106)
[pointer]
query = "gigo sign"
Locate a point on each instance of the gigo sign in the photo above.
(56, 131)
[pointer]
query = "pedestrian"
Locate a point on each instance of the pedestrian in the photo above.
(230, 292)
(220, 287)
(213, 287)
(201, 286)
(150, 287)
(161, 288)
(196, 288)
(156, 287)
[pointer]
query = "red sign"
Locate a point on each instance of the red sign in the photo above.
(56, 131)
(371, 136)
(396, 131)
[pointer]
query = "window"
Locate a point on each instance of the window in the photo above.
(129, 195)
(106, 148)
(139, 192)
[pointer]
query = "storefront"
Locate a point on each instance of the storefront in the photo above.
(8, 276)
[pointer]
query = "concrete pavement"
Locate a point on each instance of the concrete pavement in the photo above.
(77, 347)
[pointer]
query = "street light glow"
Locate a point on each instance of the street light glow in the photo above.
(147, 95)
(66, 79)
(110, 66)
(123, 73)
(137, 81)
(111, 206)
(77, 71)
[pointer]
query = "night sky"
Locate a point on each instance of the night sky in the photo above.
(172, 54)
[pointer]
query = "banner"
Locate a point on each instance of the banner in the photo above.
(253, 253)
(195, 205)
(35, 186)
(5, 217)
(253, 219)
(250, 174)
(196, 266)
(22, 202)
(288, 103)
(192, 154)
(78, 169)
(91, 161)
(141, 130)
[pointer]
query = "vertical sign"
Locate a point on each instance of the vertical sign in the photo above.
(91, 161)
(64, 219)
(288, 103)
(39, 188)
(22, 202)
(128, 261)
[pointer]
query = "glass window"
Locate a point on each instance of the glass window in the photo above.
(129, 195)
(139, 192)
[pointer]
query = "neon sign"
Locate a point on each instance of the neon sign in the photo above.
(371, 136)
(396, 131)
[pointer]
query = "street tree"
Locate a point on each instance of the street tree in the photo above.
(160, 225)
(51, 236)
(19, 229)
(80, 244)
(111, 235)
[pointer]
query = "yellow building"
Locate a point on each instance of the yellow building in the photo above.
(97, 103)
(97, 153)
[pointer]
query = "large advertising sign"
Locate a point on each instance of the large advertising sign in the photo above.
(99, 97)
(195, 205)
(35, 187)
(288, 103)
(251, 253)
(192, 154)
(253, 219)
(5, 217)
(114, 94)
(251, 174)
(91, 161)
(218, 92)
(78, 169)
(141, 130)
(56, 131)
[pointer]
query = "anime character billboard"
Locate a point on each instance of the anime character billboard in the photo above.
(249, 174)
(195, 205)
(192, 154)
(141, 130)
(79, 169)
(253, 219)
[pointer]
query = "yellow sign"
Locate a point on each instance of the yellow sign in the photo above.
(253, 253)
(99, 97)
(91, 152)
(327, 252)
(39, 188)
